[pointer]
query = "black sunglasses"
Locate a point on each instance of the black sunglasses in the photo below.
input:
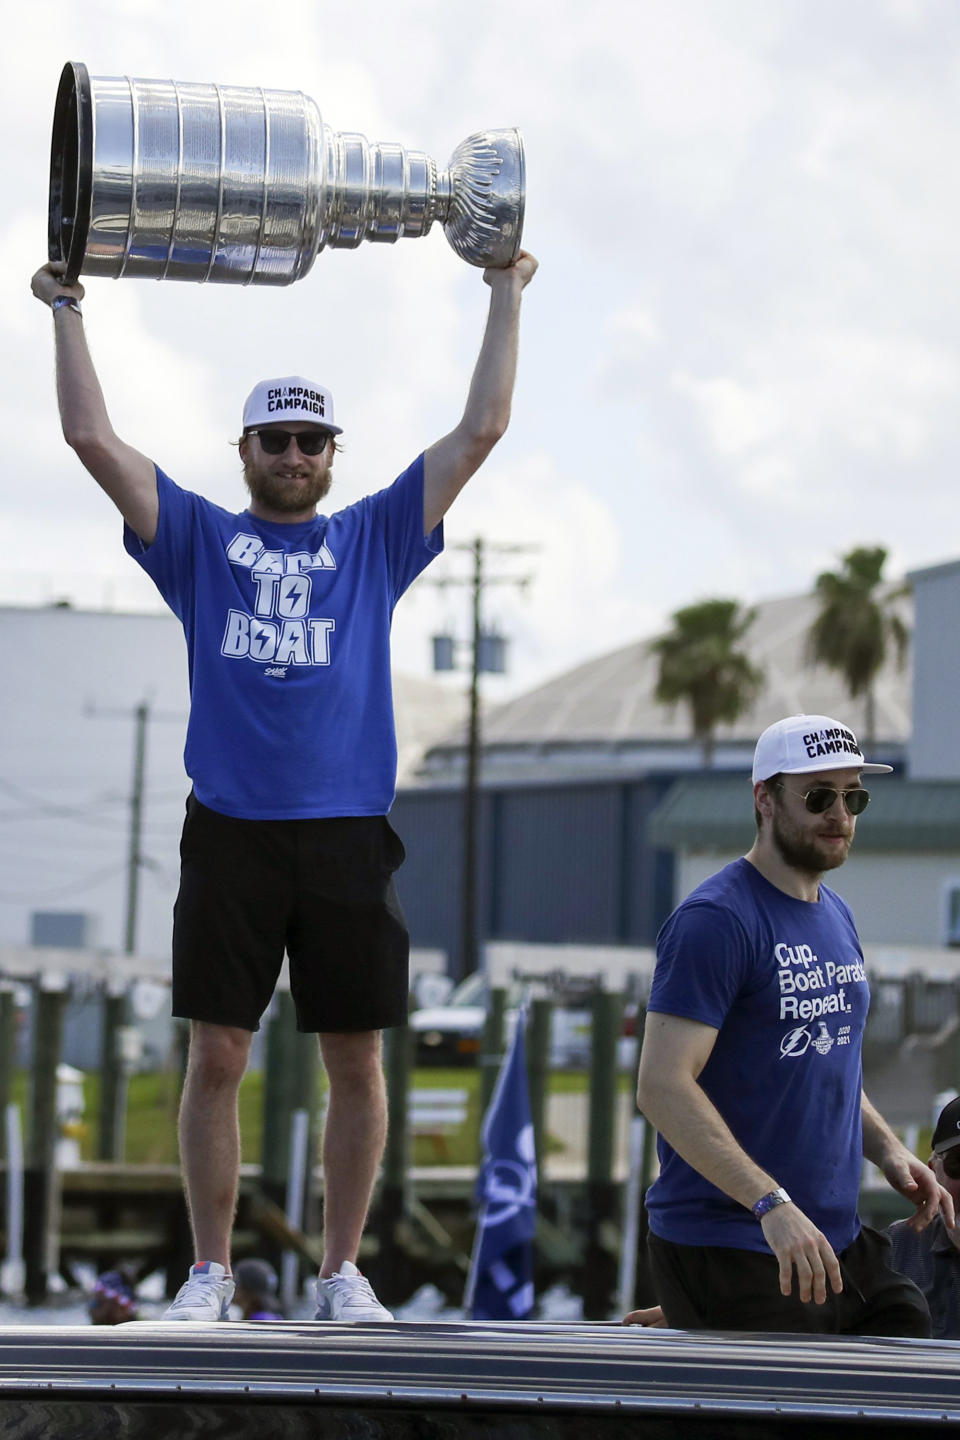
(821, 797)
(950, 1160)
(274, 442)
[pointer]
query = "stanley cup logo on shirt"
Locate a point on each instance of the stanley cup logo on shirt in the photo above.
(174, 181)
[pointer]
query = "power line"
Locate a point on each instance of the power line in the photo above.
(35, 807)
(85, 882)
(477, 581)
(141, 715)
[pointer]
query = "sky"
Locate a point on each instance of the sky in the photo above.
(739, 357)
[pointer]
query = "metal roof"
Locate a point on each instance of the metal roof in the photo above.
(707, 812)
(608, 705)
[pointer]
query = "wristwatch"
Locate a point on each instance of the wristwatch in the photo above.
(766, 1203)
(58, 302)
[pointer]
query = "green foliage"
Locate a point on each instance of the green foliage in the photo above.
(701, 665)
(856, 624)
(152, 1103)
(153, 1100)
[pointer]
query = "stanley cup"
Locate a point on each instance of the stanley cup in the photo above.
(175, 181)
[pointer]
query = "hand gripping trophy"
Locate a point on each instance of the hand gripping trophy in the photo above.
(174, 181)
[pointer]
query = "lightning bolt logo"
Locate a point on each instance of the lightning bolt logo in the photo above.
(261, 640)
(795, 1042)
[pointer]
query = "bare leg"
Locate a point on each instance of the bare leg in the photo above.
(353, 1140)
(210, 1135)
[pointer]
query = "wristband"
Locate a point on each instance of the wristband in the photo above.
(766, 1203)
(59, 301)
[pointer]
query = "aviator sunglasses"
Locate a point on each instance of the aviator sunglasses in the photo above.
(274, 442)
(950, 1160)
(821, 797)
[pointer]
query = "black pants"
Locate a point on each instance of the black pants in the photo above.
(713, 1287)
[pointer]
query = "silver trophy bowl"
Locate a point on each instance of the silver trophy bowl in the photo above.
(174, 181)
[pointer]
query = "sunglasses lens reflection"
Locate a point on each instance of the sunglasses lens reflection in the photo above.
(274, 442)
(951, 1163)
(819, 800)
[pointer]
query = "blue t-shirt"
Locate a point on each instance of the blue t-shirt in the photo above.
(783, 982)
(288, 642)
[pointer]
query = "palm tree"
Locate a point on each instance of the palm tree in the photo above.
(856, 625)
(701, 665)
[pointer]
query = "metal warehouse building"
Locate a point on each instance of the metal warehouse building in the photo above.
(573, 775)
(595, 811)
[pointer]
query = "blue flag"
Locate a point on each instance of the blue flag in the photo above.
(500, 1284)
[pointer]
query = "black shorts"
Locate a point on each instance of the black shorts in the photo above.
(320, 889)
(712, 1287)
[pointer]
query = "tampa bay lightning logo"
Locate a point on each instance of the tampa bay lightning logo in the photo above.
(509, 1186)
(795, 1042)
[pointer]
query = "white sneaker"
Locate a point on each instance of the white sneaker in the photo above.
(206, 1295)
(348, 1295)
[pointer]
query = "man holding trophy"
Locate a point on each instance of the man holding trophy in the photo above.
(292, 754)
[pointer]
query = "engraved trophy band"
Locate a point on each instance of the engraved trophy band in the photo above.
(175, 181)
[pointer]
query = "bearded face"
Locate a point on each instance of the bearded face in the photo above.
(810, 843)
(288, 484)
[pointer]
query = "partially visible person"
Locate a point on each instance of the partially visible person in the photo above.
(113, 1300)
(652, 1318)
(931, 1257)
(256, 1291)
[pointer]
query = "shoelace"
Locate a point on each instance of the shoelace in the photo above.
(352, 1287)
(189, 1290)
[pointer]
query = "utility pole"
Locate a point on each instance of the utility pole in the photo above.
(116, 1008)
(115, 1056)
(471, 798)
(486, 654)
(134, 853)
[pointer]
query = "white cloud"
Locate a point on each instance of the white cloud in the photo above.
(738, 417)
(828, 401)
(634, 322)
(748, 289)
(573, 607)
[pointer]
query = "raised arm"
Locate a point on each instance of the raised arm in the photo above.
(128, 477)
(448, 465)
(674, 1053)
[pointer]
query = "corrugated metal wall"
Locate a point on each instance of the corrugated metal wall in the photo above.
(556, 863)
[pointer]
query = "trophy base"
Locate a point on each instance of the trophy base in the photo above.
(484, 223)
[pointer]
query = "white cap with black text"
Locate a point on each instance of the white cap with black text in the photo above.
(802, 744)
(289, 398)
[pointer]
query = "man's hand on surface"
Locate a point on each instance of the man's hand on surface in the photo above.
(799, 1246)
(652, 1318)
(48, 283)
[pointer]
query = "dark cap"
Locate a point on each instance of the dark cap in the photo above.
(257, 1277)
(113, 1287)
(947, 1132)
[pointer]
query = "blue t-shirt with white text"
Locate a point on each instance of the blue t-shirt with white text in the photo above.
(783, 983)
(288, 643)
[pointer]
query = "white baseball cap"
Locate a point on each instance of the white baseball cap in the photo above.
(289, 398)
(804, 743)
